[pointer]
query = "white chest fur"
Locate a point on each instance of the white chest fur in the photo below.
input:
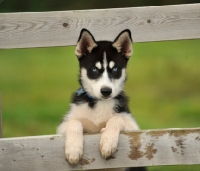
(92, 119)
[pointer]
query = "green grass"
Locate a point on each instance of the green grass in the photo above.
(163, 85)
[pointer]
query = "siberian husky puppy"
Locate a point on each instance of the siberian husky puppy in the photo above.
(100, 105)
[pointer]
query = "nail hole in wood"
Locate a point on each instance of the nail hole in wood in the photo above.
(148, 21)
(65, 24)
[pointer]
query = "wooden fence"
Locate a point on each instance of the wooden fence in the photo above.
(44, 29)
(142, 148)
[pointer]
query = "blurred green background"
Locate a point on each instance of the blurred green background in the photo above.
(36, 84)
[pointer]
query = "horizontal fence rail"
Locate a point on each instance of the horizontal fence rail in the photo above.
(45, 29)
(140, 148)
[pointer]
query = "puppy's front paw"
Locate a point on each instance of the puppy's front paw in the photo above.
(108, 143)
(73, 154)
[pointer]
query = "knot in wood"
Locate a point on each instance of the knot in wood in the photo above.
(65, 24)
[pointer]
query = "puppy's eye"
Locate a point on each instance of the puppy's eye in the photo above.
(93, 72)
(115, 69)
(94, 69)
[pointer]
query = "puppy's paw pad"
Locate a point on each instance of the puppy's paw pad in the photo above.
(73, 154)
(107, 151)
(108, 145)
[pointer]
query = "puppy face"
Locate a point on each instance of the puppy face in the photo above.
(103, 64)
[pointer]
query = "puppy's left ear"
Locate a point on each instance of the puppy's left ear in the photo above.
(86, 43)
(123, 43)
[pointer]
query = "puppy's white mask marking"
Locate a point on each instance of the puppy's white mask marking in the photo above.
(105, 80)
(111, 64)
(93, 87)
(105, 63)
(98, 65)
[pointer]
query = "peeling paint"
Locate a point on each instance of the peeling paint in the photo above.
(179, 133)
(158, 134)
(180, 144)
(176, 133)
(150, 151)
(136, 152)
(197, 138)
(174, 149)
(135, 145)
(86, 161)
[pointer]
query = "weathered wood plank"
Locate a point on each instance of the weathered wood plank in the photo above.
(141, 148)
(43, 29)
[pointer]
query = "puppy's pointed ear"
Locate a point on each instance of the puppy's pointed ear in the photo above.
(86, 43)
(123, 43)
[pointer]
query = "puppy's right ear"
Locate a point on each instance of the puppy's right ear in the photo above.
(86, 43)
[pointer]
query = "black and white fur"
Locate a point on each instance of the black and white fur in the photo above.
(100, 105)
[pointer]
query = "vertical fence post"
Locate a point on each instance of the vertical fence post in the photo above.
(1, 130)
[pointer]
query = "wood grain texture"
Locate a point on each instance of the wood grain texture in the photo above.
(141, 148)
(44, 29)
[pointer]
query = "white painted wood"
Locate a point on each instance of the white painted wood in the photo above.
(141, 148)
(44, 29)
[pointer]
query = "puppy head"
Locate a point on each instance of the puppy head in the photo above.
(103, 63)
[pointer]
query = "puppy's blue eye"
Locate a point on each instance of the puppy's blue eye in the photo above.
(115, 69)
(93, 72)
(94, 69)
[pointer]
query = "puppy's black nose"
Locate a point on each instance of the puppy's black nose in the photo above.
(106, 91)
